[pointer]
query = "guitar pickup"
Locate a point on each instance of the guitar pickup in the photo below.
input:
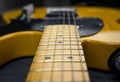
(61, 12)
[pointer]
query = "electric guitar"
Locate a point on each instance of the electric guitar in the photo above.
(63, 40)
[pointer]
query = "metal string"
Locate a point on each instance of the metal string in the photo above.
(55, 49)
(52, 70)
(63, 14)
(68, 15)
(77, 38)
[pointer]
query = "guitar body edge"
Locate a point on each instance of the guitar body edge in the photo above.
(19, 44)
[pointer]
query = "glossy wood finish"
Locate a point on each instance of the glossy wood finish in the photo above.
(59, 57)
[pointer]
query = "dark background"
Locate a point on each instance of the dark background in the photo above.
(6, 5)
(16, 71)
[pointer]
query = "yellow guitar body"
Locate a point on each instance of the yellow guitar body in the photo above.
(97, 48)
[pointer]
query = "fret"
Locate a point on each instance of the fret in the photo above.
(73, 42)
(58, 70)
(59, 61)
(55, 81)
(38, 66)
(48, 54)
(56, 76)
(45, 52)
(59, 37)
(59, 52)
(59, 47)
(46, 47)
(59, 57)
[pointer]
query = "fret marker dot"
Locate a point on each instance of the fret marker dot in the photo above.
(70, 57)
(47, 57)
(60, 42)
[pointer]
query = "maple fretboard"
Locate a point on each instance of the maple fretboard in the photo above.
(59, 57)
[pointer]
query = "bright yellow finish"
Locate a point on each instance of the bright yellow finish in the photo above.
(14, 14)
(100, 46)
(19, 44)
(97, 48)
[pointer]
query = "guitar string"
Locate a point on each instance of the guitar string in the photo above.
(61, 44)
(53, 63)
(77, 38)
(48, 45)
(62, 75)
(71, 54)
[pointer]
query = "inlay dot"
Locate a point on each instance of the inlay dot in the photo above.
(47, 57)
(59, 42)
(70, 57)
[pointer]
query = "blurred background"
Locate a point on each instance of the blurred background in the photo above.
(6, 5)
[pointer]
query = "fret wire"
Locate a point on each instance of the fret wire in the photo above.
(62, 51)
(55, 81)
(60, 14)
(59, 61)
(59, 70)
(60, 54)
(68, 14)
(73, 15)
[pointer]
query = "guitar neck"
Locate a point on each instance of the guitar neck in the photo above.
(59, 57)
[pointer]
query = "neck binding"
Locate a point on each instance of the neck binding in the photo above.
(59, 57)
